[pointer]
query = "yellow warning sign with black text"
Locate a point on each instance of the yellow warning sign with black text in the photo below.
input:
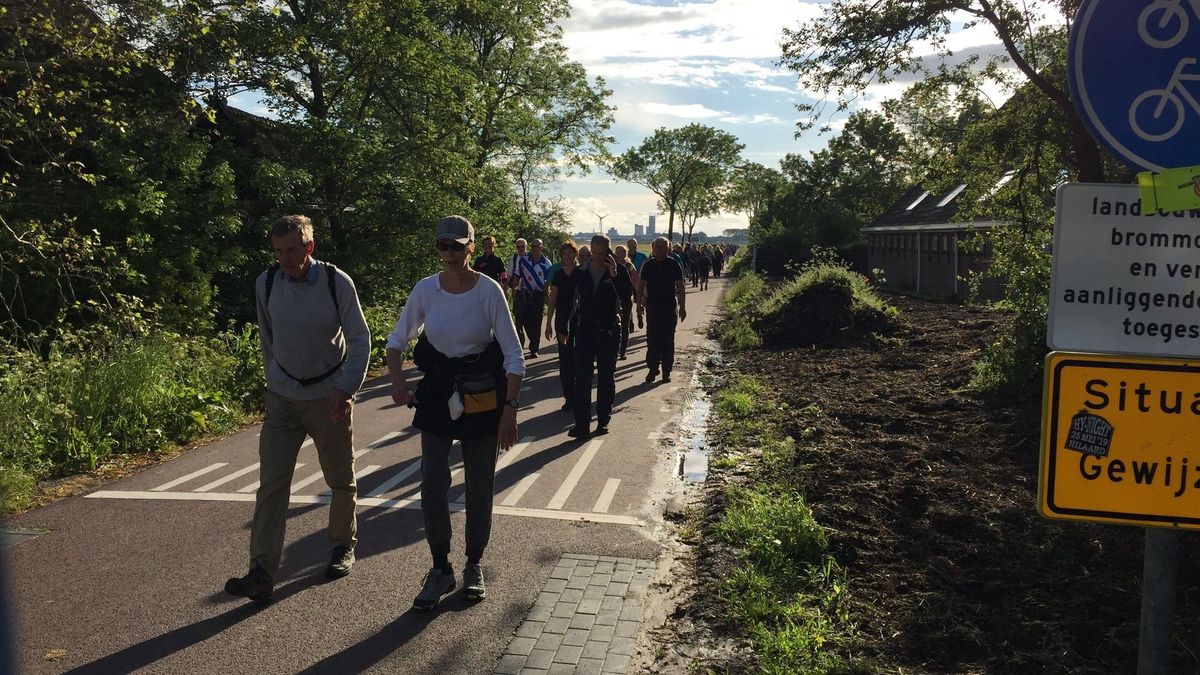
(1121, 440)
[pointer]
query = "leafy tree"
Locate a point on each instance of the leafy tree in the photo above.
(752, 187)
(837, 190)
(673, 163)
(858, 42)
(112, 204)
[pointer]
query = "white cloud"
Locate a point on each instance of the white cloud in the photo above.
(692, 111)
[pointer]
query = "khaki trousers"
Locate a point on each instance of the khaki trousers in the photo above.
(286, 423)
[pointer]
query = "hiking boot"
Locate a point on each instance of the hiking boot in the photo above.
(650, 376)
(257, 585)
(578, 433)
(437, 583)
(666, 377)
(340, 562)
(473, 586)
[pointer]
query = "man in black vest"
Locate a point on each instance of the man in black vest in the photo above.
(597, 338)
(662, 293)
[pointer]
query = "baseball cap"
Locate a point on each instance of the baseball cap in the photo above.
(455, 228)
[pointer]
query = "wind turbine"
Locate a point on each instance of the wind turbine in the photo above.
(601, 217)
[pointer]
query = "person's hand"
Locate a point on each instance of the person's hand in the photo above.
(506, 435)
(401, 393)
(549, 330)
(682, 314)
(562, 338)
(340, 405)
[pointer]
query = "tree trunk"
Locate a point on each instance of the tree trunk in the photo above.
(671, 226)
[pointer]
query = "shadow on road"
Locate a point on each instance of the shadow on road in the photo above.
(360, 657)
(145, 653)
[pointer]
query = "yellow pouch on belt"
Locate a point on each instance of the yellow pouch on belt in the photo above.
(478, 393)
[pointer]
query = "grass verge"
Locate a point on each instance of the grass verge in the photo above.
(783, 590)
(72, 411)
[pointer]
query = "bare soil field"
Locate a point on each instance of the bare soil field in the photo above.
(928, 491)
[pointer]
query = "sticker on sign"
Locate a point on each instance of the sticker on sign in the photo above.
(1123, 282)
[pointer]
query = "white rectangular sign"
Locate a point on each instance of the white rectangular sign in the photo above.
(1123, 282)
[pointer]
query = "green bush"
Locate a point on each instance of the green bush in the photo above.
(825, 303)
(72, 410)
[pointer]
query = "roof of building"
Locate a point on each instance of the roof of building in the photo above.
(918, 206)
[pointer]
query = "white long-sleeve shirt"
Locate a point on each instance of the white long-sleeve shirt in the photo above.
(458, 324)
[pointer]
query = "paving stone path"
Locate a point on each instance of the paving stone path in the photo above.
(585, 620)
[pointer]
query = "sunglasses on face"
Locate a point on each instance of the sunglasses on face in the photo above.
(448, 245)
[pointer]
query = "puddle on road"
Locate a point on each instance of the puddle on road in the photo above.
(693, 425)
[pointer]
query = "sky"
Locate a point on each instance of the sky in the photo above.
(670, 63)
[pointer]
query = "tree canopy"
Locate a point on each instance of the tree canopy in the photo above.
(676, 163)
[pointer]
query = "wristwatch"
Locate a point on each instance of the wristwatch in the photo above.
(512, 403)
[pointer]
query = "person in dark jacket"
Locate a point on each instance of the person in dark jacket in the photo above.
(662, 294)
(597, 338)
(561, 302)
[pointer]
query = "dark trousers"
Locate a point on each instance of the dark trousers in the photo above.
(595, 354)
(566, 367)
(626, 327)
(529, 306)
(660, 338)
(479, 468)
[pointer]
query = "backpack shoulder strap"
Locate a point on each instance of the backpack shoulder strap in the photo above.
(270, 280)
(331, 277)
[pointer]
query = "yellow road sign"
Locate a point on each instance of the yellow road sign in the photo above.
(1121, 440)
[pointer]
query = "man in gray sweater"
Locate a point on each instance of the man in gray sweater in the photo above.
(315, 346)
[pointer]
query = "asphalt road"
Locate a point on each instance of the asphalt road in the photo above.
(129, 578)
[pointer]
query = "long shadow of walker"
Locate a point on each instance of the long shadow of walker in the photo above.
(149, 651)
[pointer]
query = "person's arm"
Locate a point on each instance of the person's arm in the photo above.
(505, 332)
(412, 317)
(265, 333)
(680, 293)
(551, 303)
(358, 348)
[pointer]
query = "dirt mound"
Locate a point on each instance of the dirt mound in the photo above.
(823, 313)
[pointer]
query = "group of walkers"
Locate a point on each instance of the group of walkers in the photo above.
(470, 351)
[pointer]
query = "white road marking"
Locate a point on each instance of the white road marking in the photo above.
(363, 502)
(606, 495)
(254, 486)
(361, 472)
(514, 452)
(306, 443)
(397, 479)
(384, 439)
(519, 490)
(314, 477)
(572, 479)
(233, 476)
(184, 479)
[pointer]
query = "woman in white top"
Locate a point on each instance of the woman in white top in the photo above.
(470, 356)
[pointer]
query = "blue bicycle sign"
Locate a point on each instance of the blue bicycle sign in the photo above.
(1135, 80)
(1164, 23)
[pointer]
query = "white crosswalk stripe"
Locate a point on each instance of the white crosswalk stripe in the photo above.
(519, 490)
(572, 479)
(184, 479)
(397, 479)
